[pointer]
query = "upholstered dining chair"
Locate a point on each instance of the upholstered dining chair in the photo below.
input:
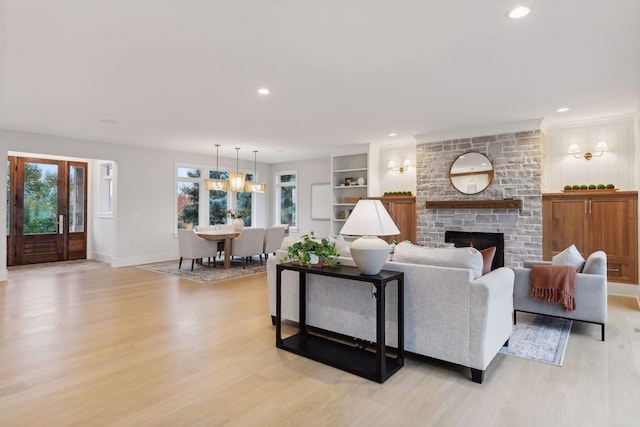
(273, 237)
(193, 247)
(250, 242)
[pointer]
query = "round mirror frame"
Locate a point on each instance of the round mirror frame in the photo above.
(466, 184)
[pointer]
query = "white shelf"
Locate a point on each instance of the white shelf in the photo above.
(354, 166)
(350, 170)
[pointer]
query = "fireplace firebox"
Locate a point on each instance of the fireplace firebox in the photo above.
(479, 241)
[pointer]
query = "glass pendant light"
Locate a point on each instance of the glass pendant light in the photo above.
(216, 184)
(237, 179)
(253, 186)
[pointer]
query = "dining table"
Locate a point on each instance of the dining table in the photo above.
(221, 235)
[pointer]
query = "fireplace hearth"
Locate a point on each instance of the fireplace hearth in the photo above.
(479, 241)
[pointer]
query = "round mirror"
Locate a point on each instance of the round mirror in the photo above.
(471, 173)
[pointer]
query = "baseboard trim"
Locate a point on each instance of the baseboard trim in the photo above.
(623, 289)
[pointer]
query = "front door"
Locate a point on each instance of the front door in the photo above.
(47, 210)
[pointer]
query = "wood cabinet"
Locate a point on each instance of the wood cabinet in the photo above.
(402, 210)
(592, 221)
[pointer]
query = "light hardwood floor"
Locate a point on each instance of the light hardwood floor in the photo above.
(128, 347)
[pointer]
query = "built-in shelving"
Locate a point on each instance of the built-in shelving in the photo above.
(346, 170)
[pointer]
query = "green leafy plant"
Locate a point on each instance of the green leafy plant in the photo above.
(236, 213)
(397, 193)
(592, 186)
(302, 250)
(567, 187)
(611, 186)
(575, 187)
(584, 187)
(601, 187)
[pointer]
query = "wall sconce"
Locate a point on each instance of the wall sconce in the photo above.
(405, 166)
(601, 147)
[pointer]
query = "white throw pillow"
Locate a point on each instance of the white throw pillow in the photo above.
(570, 256)
(469, 258)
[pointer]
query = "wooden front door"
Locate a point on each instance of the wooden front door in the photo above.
(47, 211)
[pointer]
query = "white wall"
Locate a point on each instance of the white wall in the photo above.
(145, 219)
(396, 180)
(313, 171)
(616, 166)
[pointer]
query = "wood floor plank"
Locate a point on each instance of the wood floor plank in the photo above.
(129, 347)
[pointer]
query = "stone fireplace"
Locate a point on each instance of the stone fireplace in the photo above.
(517, 161)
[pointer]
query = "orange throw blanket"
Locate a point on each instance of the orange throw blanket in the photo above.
(554, 283)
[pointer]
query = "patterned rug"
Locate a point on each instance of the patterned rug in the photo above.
(539, 338)
(205, 273)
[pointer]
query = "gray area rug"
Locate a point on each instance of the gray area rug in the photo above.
(205, 273)
(539, 338)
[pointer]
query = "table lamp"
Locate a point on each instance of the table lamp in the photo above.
(369, 219)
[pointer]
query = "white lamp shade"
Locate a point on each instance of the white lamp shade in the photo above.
(573, 149)
(369, 218)
(602, 146)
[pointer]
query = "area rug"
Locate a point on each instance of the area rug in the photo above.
(205, 273)
(539, 338)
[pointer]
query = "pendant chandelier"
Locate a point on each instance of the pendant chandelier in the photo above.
(216, 184)
(237, 179)
(253, 186)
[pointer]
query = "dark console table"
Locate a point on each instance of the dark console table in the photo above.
(373, 366)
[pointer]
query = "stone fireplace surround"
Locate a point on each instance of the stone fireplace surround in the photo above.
(517, 161)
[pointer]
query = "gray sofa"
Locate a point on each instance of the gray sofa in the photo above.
(591, 293)
(452, 314)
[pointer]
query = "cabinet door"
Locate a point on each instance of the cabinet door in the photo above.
(404, 215)
(612, 229)
(564, 223)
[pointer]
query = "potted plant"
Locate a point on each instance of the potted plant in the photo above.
(236, 215)
(312, 252)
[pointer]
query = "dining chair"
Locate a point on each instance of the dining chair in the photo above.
(194, 247)
(273, 237)
(250, 242)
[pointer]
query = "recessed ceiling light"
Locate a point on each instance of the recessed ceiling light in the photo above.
(393, 134)
(518, 12)
(562, 109)
(264, 91)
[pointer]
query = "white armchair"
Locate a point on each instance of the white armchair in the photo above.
(250, 242)
(273, 237)
(193, 247)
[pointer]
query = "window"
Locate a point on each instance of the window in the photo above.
(218, 200)
(188, 197)
(287, 198)
(106, 190)
(244, 201)
(191, 187)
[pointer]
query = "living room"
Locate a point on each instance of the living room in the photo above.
(60, 98)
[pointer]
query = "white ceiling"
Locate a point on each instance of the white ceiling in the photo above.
(183, 74)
